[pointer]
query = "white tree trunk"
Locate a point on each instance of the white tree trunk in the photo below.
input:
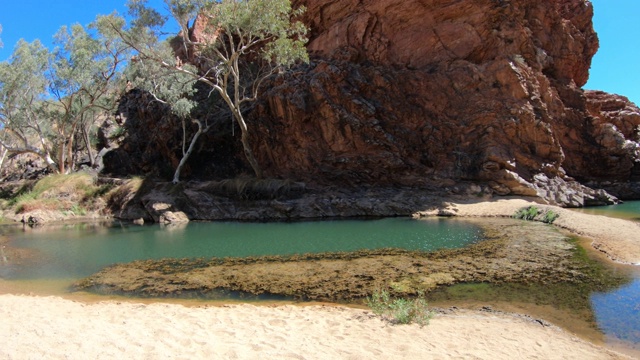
(186, 154)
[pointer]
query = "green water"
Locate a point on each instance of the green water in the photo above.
(79, 251)
(629, 210)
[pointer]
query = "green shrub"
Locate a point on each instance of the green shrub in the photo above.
(78, 210)
(532, 213)
(550, 216)
(400, 311)
(117, 132)
(527, 213)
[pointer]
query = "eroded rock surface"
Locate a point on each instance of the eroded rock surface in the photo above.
(481, 90)
(426, 93)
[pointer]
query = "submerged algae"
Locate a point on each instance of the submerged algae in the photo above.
(531, 256)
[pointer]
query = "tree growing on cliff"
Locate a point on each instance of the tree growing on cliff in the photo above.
(240, 44)
(47, 98)
(176, 90)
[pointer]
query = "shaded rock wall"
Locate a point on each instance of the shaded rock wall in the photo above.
(144, 138)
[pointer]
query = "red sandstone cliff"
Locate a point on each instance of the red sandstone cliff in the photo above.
(420, 93)
(415, 91)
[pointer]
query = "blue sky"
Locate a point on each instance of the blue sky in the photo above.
(41, 19)
(615, 68)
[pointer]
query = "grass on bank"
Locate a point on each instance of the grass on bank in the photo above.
(119, 194)
(532, 213)
(400, 310)
(76, 193)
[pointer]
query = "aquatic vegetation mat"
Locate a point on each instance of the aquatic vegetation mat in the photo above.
(528, 253)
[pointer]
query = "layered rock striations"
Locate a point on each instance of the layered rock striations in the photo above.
(424, 93)
(479, 90)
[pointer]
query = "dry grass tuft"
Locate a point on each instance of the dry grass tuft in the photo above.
(125, 192)
(77, 193)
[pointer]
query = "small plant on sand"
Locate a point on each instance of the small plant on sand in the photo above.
(527, 213)
(550, 216)
(400, 311)
(532, 213)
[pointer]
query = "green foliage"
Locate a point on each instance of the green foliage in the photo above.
(400, 310)
(160, 78)
(119, 131)
(262, 22)
(242, 44)
(46, 96)
(143, 16)
(527, 213)
(78, 210)
(532, 213)
(22, 81)
(550, 216)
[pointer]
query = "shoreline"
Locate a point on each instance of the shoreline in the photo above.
(618, 239)
(132, 329)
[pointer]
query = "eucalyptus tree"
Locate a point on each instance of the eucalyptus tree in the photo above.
(23, 86)
(48, 97)
(3, 150)
(174, 89)
(242, 43)
(85, 80)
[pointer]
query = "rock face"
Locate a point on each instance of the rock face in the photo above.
(479, 90)
(614, 121)
(434, 93)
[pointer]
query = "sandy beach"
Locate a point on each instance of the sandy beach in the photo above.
(55, 328)
(36, 327)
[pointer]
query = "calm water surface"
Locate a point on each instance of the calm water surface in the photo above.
(618, 311)
(73, 252)
(629, 210)
(79, 251)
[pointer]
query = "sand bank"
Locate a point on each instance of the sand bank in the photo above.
(55, 328)
(619, 239)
